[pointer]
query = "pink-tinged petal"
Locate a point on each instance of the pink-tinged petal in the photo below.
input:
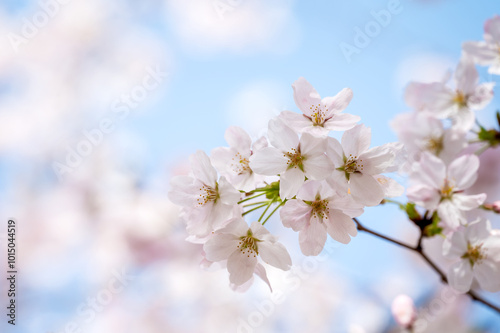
(492, 29)
(297, 122)
(455, 246)
(236, 226)
(268, 161)
(482, 96)
(335, 152)
(340, 226)
(450, 214)
(468, 202)
(259, 144)
(311, 145)
(338, 182)
(376, 160)
(220, 215)
(481, 52)
(290, 182)
(183, 191)
(220, 247)
(365, 189)
(424, 196)
(325, 190)
(338, 102)
(428, 96)
(309, 190)
(460, 276)
(478, 231)
(430, 171)
(275, 254)
(391, 187)
(487, 273)
(347, 205)
(317, 131)
(464, 119)
(227, 193)
(237, 138)
(260, 271)
(466, 76)
(341, 122)
(281, 136)
(463, 171)
(454, 142)
(295, 214)
(312, 239)
(221, 158)
(318, 167)
(259, 231)
(197, 221)
(241, 266)
(305, 95)
(356, 140)
(202, 168)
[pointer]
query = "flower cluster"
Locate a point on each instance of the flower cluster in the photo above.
(320, 185)
(442, 165)
(319, 182)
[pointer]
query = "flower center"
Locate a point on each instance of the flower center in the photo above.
(434, 145)
(320, 208)
(295, 159)
(447, 190)
(474, 254)
(248, 244)
(208, 194)
(317, 115)
(460, 99)
(240, 165)
(351, 165)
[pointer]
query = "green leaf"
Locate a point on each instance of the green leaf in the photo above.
(433, 229)
(412, 212)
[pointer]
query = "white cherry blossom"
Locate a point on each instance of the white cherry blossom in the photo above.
(318, 210)
(292, 158)
(438, 187)
(320, 116)
(208, 203)
(233, 161)
(458, 103)
(487, 52)
(478, 254)
(240, 245)
(357, 166)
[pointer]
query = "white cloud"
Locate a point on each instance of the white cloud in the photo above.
(238, 26)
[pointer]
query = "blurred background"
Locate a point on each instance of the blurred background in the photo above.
(103, 101)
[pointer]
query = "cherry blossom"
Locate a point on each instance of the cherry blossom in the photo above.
(208, 203)
(478, 254)
(292, 158)
(487, 52)
(421, 131)
(233, 161)
(240, 245)
(457, 104)
(318, 210)
(356, 165)
(404, 311)
(438, 187)
(320, 116)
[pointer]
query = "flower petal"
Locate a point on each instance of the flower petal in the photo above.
(356, 140)
(312, 239)
(290, 182)
(241, 267)
(338, 102)
(275, 254)
(463, 171)
(305, 95)
(202, 168)
(295, 214)
(460, 276)
(268, 161)
(281, 136)
(468, 202)
(341, 122)
(220, 247)
(365, 189)
(340, 226)
(237, 138)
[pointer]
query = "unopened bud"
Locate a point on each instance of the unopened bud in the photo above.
(404, 311)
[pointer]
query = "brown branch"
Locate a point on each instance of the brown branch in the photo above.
(418, 249)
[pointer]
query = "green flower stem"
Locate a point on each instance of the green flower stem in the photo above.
(255, 208)
(256, 203)
(401, 206)
(269, 205)
(250, 198)
(275, 209)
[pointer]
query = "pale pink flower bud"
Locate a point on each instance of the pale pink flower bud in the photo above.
(404, 311)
